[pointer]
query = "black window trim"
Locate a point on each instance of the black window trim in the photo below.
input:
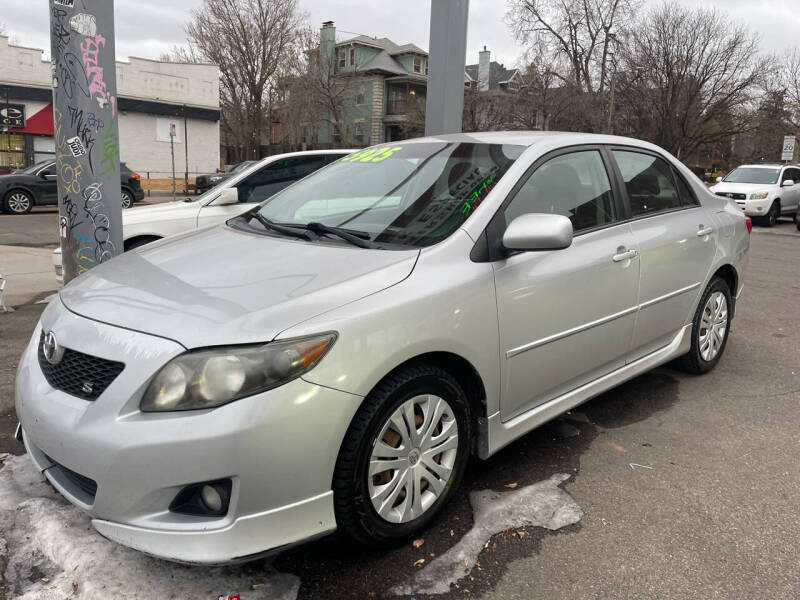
(630, 217)
(489, 247)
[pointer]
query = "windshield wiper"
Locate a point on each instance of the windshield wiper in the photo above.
(355, 237)
(271, 225)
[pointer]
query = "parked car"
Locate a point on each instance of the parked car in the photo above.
(332, 357)
(36, 186)
(764, 192)
(247, 188)
(203, 183)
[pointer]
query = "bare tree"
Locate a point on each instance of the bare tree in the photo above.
(687, 77)
(248, 39)
(788, 80)
(583, 32)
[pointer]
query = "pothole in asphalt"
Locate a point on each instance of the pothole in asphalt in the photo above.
(542, 504)
(54, 552)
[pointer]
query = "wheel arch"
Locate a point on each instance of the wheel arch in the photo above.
(470, 381)
(128, 242)
(730, 276)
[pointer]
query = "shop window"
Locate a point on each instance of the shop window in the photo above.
(12, 151)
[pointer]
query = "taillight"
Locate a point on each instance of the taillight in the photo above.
(135, 176)
(749, 222)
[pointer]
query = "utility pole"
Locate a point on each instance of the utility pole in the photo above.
(172, 152)
(444, 106)
(87, 156)
(185, 153)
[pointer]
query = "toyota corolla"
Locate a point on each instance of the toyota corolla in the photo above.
(333, 357)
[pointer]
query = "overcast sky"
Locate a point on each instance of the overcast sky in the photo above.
(148, 28)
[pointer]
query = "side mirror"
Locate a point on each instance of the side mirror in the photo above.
(787, 183)
(719, 179)
(228, 196)
(538, 231)
(49, 176)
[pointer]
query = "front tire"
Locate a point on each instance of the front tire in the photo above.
(773, 214)
(403, 455)
(18, 202)
(710, 329)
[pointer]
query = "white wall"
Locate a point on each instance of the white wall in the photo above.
(177, 83)
(142, 152)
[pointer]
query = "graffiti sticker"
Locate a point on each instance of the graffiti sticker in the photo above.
(76, 146)
(84, 24)
(69, 3)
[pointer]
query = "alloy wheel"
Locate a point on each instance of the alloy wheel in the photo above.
(127, 201)
(412, 458)
(19, 202)
(713, 326)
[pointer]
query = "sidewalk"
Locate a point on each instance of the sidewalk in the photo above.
(28, 272)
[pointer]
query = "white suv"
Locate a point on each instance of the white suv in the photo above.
(764, 192)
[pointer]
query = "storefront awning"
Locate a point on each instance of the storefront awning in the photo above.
(40, 123)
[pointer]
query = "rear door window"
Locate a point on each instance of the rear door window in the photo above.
(648, 181)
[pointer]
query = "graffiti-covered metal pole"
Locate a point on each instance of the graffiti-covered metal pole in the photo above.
(86, 133)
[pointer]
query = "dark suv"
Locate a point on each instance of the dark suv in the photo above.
(36, 186)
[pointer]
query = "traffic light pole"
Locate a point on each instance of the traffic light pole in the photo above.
(86, 132)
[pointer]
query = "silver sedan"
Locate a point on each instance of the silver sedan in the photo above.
(334, 356)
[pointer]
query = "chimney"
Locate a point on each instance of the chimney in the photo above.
(483, 69)
(327, 49)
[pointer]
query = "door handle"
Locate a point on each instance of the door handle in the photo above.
(623, 254)
(704, 231)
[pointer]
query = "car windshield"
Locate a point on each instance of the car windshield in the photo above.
(753, 175)
(413, 194)
(32, 169)
(241, 166)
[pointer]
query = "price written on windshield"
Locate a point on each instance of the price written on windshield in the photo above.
(372, 155)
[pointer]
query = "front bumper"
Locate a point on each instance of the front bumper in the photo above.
(755, 208)
(279, 448)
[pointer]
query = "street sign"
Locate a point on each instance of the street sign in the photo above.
(788, 147)
(172, 130)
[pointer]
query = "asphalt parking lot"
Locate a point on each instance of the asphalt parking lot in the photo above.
(688, 485)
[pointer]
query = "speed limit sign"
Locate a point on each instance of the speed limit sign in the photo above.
(788, 147)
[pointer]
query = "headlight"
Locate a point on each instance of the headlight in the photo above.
(759, 196)
(215, 376)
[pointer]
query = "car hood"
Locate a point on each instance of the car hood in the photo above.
(220, 286)
(156, 211)
(741, 188)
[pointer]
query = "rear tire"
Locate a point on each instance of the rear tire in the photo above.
(127, 199)
(18, 202)
(377, 508)
(710, 329)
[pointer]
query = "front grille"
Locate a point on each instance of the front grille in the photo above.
(732, 196)
(79, 374)
(81, 482)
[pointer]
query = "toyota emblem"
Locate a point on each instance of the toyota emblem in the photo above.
(53, 353)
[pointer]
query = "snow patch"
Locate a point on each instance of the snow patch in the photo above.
(51, 545)
(541, 504)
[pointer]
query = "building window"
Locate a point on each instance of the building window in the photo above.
(341, 57)
(417, 64)
(12, 151)
(360, 95)
(352, 56)
(359, 132)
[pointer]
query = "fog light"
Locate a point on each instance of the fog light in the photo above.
(207, 499)
(211, 498)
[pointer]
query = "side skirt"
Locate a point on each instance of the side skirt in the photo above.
(499, 434)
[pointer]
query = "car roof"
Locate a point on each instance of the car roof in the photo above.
(764, 166)
(530, 138)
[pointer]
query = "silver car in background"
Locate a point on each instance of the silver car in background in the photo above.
(333, 357)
